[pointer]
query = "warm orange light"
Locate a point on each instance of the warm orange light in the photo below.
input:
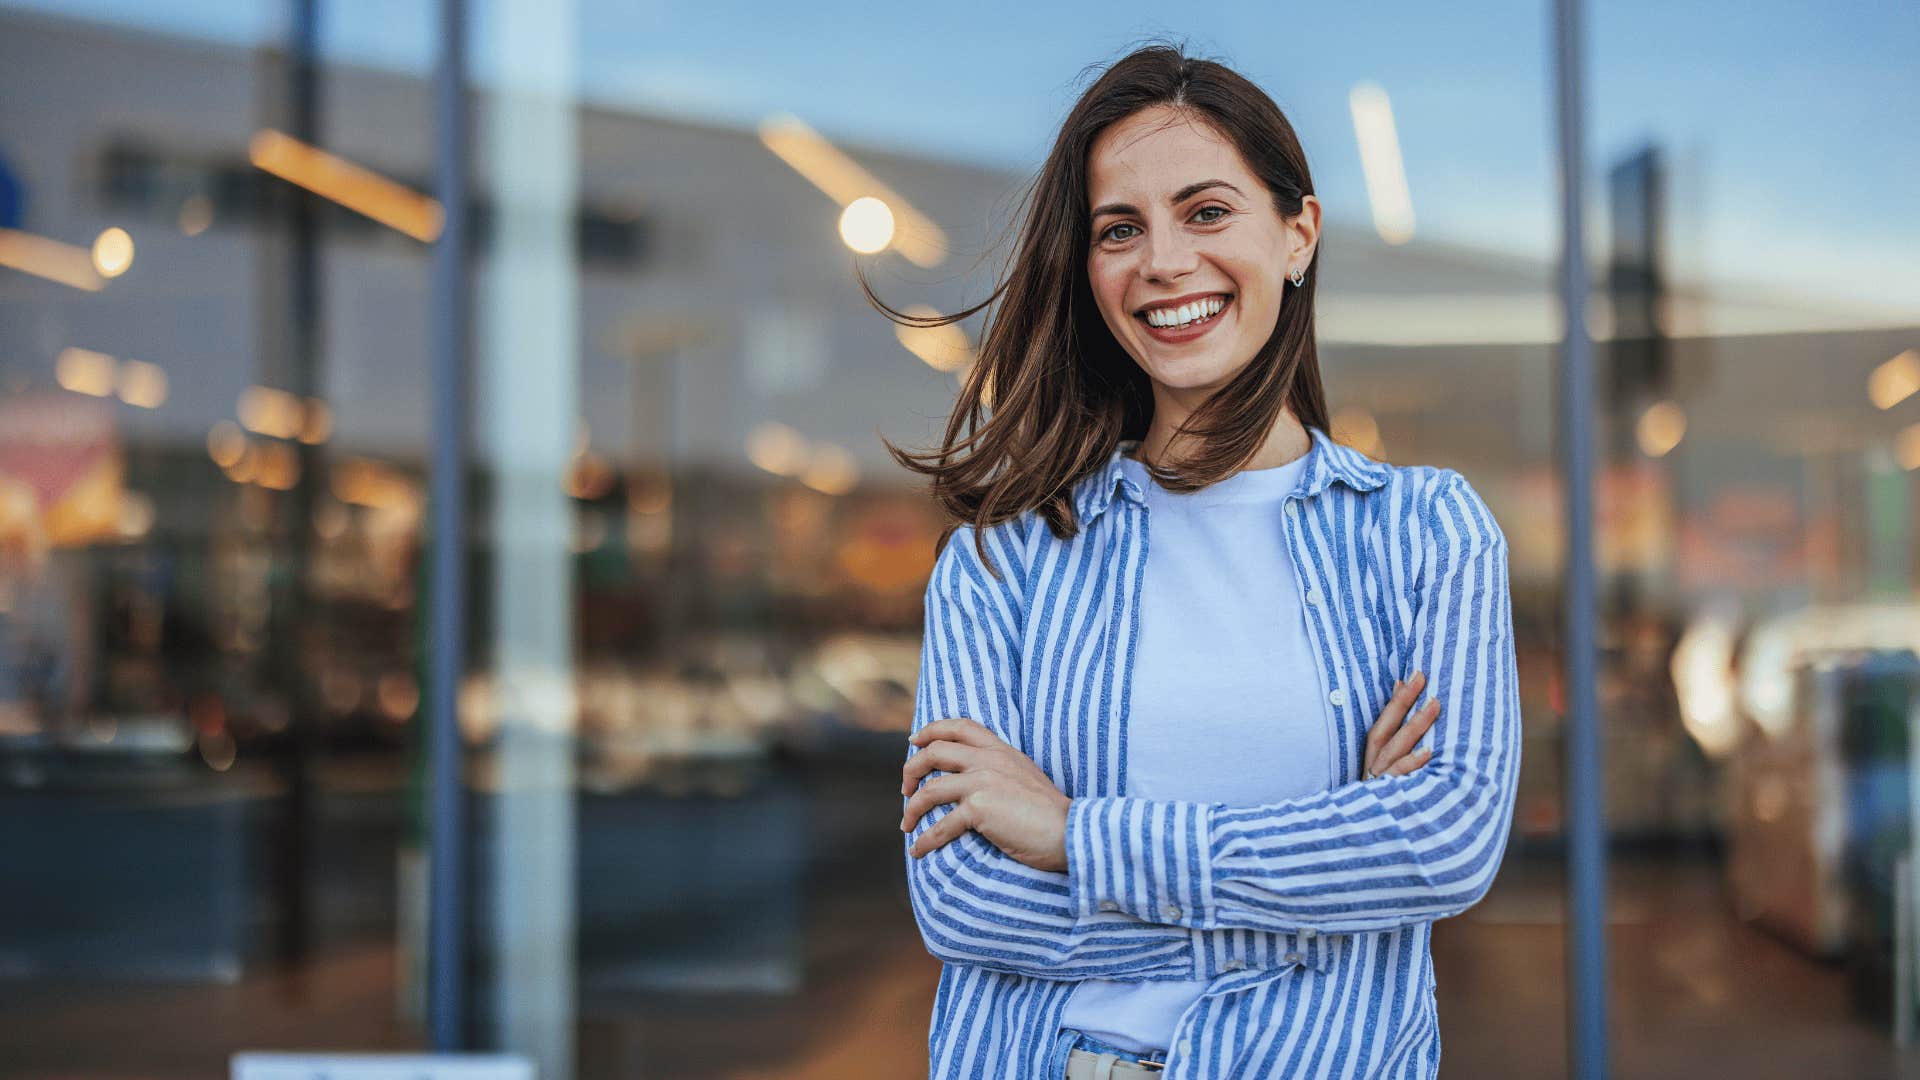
(866, 225)
(50, 259)
(279, 467)
(316, 423)
(1895, 381)
(588, 477)
(113, 252)
(225, 444)
(246, 467)
(366, 482)
(830, 470)
(1907, 447)
(352, 186)
(84, 371)
(777, 448)
(1661, 428)
(842, 179)
(943, 348)
(143, 384)
(268, 411)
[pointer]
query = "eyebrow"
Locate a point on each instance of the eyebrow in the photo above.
(1176, 199)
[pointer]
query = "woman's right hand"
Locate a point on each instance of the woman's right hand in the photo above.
(1390, 751)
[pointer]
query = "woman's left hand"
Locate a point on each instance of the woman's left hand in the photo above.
(998, 791)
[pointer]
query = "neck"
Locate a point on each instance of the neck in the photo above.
(1288, 440)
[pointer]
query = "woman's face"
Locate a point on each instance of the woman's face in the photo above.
(1178, 216)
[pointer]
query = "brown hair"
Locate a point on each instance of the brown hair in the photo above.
(1061, 390)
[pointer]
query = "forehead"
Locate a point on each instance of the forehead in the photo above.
(1159, 150)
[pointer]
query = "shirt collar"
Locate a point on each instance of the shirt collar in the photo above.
(1327, 461)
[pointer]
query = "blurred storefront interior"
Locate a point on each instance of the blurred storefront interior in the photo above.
(694, 574)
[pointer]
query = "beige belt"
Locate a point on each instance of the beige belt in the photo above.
(1087, 1065)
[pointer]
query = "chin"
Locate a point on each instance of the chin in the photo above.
(1199, 374)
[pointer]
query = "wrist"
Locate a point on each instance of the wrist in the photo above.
(1058, 853)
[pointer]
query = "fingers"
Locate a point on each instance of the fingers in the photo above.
(942, 755)
(1410, 732)
(1405, 691)
(940, 833)
(955, 729)
(1390, 718)
(935, 792)
(1410, 762)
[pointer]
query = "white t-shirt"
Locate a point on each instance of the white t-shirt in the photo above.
(1226, 706)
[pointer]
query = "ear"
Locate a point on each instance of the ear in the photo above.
(1303, 232)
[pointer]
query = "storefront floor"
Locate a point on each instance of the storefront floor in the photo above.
(1696, 993)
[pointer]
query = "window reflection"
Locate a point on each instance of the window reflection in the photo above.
(696, 579)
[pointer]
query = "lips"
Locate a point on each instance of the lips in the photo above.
(1180, 301)
(1175, 335)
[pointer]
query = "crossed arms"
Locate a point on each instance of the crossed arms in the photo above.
(1143, 874)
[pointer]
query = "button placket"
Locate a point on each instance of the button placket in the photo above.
(1315, 598)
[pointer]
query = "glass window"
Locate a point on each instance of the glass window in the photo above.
(212, 337)
(695, 573)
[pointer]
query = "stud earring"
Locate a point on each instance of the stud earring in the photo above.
(1298, 277)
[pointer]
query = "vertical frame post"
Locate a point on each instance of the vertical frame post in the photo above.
(1585, 816)
(446, 642)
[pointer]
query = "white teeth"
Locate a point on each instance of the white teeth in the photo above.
(1186, 313)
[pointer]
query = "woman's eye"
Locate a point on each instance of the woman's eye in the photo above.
(1219, 211)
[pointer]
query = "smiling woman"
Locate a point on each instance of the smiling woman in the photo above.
(1191, 815)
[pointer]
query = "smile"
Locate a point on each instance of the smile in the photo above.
(1186, 321)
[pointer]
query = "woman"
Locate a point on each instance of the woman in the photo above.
(1194, 814)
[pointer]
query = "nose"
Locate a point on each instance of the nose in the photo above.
(1169, 256)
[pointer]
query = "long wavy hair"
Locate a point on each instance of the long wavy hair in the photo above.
(1051, 393)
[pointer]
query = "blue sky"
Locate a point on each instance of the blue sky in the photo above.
(1791, 123)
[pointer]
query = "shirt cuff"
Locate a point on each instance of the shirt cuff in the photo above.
(1145, 857)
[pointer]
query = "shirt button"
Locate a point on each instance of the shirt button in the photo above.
(1313, 597)
(1108, 905)
(1307, 933)
(1293, 508)
(1294, 958)
(1338, 697)
(1170, 912)
(1186, 1046)
(1234, 965)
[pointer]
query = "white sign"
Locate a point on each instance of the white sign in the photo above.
(263, 1066)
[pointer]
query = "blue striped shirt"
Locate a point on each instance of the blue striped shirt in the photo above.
(1309, 918)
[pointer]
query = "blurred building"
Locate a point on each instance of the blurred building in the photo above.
(213, 442)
